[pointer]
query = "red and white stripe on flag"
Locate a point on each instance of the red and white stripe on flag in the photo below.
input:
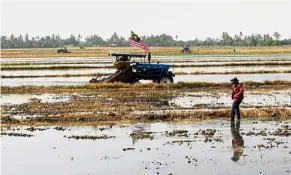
(140, 44)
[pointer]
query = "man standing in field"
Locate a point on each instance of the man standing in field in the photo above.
(237, 97)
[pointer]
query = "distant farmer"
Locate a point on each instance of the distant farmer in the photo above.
(237, 97)
(149, 57)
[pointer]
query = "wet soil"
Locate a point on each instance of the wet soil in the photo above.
(100, 106)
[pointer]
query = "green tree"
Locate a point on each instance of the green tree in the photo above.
(277, 36)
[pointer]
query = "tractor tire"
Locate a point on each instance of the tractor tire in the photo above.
(166, 80)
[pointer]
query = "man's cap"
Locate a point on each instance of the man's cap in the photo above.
(234, 80)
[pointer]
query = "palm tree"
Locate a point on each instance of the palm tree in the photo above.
(277, 36)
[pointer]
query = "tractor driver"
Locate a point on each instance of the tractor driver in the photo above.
(124, 58)
(149, 57)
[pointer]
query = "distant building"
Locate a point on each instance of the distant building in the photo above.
(113, 45)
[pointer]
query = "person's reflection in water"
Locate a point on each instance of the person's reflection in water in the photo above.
(138, 128)
(237, 141)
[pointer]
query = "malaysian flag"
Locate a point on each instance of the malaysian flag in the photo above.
(137, 42)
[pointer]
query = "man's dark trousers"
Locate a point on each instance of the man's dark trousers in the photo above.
(235, 110)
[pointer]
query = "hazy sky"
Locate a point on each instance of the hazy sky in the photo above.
(187, 19)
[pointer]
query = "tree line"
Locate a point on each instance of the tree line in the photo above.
(55, 41)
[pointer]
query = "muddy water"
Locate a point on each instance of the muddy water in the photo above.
(80, 71)
(55, 72)
(226, 78)
(222, 69)
(69, 65)
(54, 59)
(228, 57)
(186, 57)
(222, 63)
(49, 81)
(196, 99)
(49, 152)
(184, 100)
(11, 99)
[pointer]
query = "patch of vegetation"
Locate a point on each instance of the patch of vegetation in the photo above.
(278, 84)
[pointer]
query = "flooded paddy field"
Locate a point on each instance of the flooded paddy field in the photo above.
(230, 69)
(186, 58)
(11, 99)
(250, 56)
(59, 105)
(78, 70)
(57, 72)
(81, 80)
(178, 70)
(46, 106)
(198, 99)
(79, 128)
(182, 99)
(20, 66)
(52, 59)
(109, 64)
(45, 81)
(246, 147)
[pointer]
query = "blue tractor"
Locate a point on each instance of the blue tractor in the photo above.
(131, 71)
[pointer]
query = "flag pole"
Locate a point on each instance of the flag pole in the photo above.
(129, 47)
(130, 43)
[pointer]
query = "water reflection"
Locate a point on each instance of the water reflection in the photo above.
(137, 129)
(106, 156)
(237, 141)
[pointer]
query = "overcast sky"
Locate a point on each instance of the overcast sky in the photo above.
(187, 19)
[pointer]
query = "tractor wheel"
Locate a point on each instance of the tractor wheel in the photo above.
(166, 80)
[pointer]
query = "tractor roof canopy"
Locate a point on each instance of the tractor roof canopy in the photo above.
(128, 55)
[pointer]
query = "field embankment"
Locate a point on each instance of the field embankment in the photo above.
(103, 51)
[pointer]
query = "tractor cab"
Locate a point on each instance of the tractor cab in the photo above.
(123, 60)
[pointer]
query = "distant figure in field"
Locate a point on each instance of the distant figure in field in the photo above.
(237, 97)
